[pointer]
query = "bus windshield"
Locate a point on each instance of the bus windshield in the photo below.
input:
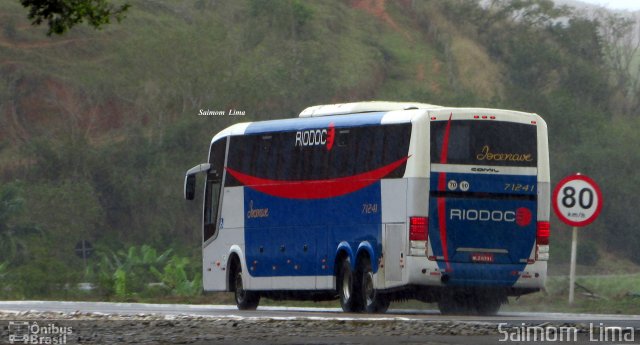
(494, 143)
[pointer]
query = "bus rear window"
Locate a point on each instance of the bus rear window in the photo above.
(495, 143)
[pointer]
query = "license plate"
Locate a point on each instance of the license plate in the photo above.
(482, 257)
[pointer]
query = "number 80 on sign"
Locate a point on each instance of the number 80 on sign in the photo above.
(577, 200)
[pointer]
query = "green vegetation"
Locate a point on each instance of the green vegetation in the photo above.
(13, 235)
(610, 294)
(142, 272)
(63, 15)
(98, 127)
(606, 294)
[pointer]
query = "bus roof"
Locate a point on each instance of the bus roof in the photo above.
(353, 115)
(362, 107)
(305, 123)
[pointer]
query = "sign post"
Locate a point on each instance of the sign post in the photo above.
(572, 270)
(84, 250)
(577, 201)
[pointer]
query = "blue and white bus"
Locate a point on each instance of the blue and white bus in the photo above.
(373, 202)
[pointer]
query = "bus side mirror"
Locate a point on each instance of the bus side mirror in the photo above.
(190, 179)
(190, 187)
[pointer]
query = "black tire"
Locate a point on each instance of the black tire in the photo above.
(349, 299)
(488, 305)
(456, 304)
(373, 301)
(245, 299)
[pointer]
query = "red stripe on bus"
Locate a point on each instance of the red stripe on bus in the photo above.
(316, 189)
(442, 185)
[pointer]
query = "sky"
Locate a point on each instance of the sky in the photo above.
(631, 5)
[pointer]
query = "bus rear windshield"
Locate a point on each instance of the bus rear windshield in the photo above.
(494, 143)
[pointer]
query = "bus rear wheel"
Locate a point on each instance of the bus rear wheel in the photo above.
(488, 305)
(245, 299)
(374, 302)
(350, 300)
(456, 304)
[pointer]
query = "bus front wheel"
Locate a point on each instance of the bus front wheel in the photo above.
(245, 299)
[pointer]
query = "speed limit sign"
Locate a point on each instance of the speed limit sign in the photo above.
(577, 200)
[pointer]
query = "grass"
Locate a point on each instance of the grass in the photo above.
(409, 65)
(609, 294)
(614, 294)
(611, 286)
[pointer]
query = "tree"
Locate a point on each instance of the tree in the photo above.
(11, 234)
(621, 48)
(62, 15)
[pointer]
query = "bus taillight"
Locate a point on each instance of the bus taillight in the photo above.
(542, 233)
(418, 228)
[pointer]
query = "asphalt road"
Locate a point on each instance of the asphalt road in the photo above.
(227, 311)
(102, 322)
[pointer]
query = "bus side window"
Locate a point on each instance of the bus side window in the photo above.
(396, 146)
(211, 206)
(343, 137)
(343, 153)
(375, 143)
(263, 156)
(360, 150)
(283, 158)
(307, 163)
(212, 191)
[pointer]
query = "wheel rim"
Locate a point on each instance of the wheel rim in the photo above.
(239, 288)
(369, 291)
(346, 285)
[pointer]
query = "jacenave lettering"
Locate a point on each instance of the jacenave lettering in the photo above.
(508, 157)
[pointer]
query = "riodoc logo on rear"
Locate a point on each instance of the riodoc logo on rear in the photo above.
(522, 216)
(316, 137)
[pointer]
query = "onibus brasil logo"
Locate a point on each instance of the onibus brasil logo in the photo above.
(24, 332)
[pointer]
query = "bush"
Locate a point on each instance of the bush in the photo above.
(142, 272)
(36, 279)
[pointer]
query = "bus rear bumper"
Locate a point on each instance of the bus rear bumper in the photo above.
(519, 276)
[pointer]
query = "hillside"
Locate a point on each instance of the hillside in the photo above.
(98, 127)
(587, 6)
